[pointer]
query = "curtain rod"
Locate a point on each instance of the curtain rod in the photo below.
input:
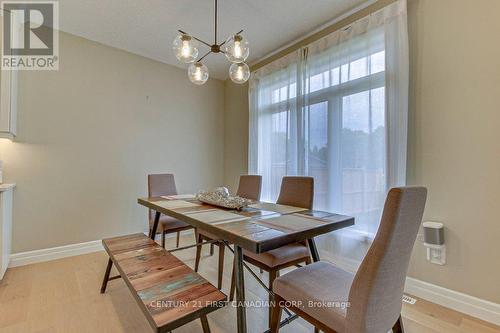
(323, 32)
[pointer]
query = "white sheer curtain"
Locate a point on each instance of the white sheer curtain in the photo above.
(337, 110)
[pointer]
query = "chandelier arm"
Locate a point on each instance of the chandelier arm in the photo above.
(199, 60)
(203, 42)
(224, 42)
(199, 40)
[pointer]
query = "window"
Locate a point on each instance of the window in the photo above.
(324, 112)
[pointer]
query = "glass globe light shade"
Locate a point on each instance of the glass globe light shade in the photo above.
(198, 73)
(239, 72)
(185, 48)
(237, 49)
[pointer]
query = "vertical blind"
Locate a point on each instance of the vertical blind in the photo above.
(337, 110)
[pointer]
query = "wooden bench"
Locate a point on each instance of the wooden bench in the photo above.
(169, 293)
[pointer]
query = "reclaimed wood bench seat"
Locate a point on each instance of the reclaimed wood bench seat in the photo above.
(169, 293)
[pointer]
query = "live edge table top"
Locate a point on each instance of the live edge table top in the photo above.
(260, 227)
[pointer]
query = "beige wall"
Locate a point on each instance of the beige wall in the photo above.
(455, 138)
(236, 133)
(454, 143)
(89, 134)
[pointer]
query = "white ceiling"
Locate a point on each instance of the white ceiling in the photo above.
(148, 27)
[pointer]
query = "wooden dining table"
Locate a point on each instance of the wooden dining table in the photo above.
(258, 228)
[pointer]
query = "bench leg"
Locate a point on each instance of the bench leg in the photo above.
(204, 324)
(106, 276)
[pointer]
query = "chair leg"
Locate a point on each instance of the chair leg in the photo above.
(211, 249)
(316, 330)
(273, 274)
(398, 326)
(276, 314)
(178, 239)
(221, 265)
(198, 252)
(308, 261)
(106, 276)
(233, 284)
(163, 239)
(204, 324)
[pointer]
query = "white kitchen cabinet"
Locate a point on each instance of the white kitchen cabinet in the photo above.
(8, 99)
(6, 191)
(8, 104)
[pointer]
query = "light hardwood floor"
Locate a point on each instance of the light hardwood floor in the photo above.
(63, 296)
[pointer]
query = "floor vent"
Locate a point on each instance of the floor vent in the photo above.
(409, 300)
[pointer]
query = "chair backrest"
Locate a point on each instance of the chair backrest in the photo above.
(159, 185)
(249, 187)
(377, 290)
(297, 191)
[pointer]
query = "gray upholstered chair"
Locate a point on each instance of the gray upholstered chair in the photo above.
(249, 187)
(164, 185)
(297, 192)
(369, 301)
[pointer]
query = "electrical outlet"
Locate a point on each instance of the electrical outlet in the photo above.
(436, 254)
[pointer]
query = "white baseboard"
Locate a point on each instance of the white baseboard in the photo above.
(470, 305)
(31, 257)
(36, 256)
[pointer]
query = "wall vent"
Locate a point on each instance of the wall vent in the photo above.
(409, 300)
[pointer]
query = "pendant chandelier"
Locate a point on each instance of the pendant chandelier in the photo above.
(235, 48)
